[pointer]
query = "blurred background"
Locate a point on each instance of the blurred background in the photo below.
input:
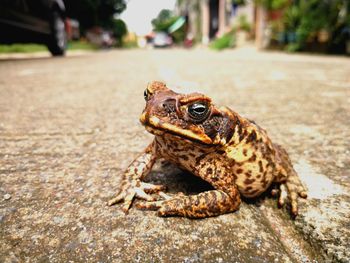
(321, 26)
(72, 78)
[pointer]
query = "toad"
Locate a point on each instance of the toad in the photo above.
(230, 152)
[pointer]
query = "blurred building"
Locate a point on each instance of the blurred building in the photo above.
(208, 19)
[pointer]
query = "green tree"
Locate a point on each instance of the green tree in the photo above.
(307, 17)
(164, 20)
(272, 4)
(119, 30)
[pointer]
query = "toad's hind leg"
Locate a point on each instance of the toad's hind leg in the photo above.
(210, 203)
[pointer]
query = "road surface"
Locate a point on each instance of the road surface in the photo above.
(69, 127)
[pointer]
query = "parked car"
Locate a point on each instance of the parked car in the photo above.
(162, 39)
(40, 21)
(100, 37)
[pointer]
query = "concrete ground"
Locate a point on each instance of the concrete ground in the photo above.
(69, 127)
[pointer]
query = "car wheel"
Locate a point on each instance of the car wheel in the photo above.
(58, 39)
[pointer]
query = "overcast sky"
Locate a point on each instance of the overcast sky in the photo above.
(139, 14)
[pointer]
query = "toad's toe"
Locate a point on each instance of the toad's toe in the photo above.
(116, 199)
(282, 195)
(143, 195)
(303, 194)
(154, 205)
(152, 188)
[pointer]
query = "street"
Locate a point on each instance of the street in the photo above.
(69, 128)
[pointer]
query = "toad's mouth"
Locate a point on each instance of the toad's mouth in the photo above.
(155, 126)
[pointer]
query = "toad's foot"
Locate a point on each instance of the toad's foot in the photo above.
(210, 203)
(133, 189)
(293, 189)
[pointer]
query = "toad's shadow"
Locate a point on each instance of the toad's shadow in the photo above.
(176, 180)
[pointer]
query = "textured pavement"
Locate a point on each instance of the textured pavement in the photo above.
(69, 127)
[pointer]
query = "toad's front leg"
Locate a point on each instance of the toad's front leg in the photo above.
(210, 203)
(224, 199)
(131, 185)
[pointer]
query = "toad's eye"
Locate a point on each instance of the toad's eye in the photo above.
(146, 94)
(198, 111)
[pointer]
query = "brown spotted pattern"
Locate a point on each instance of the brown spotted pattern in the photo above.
(230, 152)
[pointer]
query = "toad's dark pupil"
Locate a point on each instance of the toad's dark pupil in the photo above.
(145, 94)
(198, 108)
(198, 111)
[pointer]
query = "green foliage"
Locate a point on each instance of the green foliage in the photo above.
(179, 35)
(272, 4)
(291, 18)
(30, 48)
(292, 47)
(244, 24)
(163, 22)
(238, 2)
(130, 44)
(119, 31)
(308, 17)
(163, 17)
(22, 48)
(163, 25)
(226, 41)
(81, 45)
